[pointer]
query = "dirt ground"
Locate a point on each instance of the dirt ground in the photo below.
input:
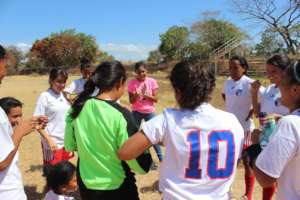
(27, 89)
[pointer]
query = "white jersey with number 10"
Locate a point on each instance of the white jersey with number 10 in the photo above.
(202, 149)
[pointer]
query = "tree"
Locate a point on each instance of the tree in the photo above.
(270, 43)
(155, 57)
(214, 32)
(173, 41)
(18, 54)
(65, 48)
(284, 20)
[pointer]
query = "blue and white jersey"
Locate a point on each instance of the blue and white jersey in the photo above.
(202, 149)
(270, 101)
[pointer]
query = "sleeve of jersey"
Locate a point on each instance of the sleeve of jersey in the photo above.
(71, 88)
(40, 106)
(6, 141)
(154, 129)
(142, 163)
(69, 140)
(279, 151)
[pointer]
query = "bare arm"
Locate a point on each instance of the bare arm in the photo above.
(46, 136)
(263, 179)
(223, 97)
(254, 95)
(24, 128)
(153, 97)
(134, 146)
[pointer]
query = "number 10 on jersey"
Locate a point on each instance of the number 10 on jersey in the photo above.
(215, 138)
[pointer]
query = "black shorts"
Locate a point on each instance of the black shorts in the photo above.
(127, 190)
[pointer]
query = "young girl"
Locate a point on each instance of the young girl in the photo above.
(202, 143)
(142, 95)
(269, 100)
(54, 105)
(61, 180)
(77, 86)
(280, 160)
(96, 128)
(13, 109)
(238, 101)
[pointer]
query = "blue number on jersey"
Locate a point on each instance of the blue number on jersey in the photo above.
(213, 140)
(194, 171)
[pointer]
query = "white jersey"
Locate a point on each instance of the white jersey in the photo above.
(77, 86)
(11, 186)
(270, 101)
(52, 196)
(238, 100)
(55, 107)
(202, 149)
(281, 158)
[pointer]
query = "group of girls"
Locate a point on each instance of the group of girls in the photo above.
(203, 144)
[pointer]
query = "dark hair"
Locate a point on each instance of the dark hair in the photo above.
(194, 82)
(58, 175)
(281, 61)
(8, 103)
(2, 52)
(84, 64)
(105, 78)
(138, 65)
(292, 73)
(56, 72)
(243, 62)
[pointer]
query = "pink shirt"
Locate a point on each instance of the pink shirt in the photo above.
(148, 86)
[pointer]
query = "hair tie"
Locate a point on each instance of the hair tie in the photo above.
(297, 77)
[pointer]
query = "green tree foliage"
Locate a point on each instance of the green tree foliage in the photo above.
(155, 57)
(65, 48)
(213, 33)
(270, 43)
(173, 41)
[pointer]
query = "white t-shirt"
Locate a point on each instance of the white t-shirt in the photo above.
(52, 196)
(270, 101)
(77, 86)
(11, 186)
(238, 100)
(55, 107)
(281, 158)
(206, 138)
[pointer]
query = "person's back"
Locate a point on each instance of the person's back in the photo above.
(208, 142)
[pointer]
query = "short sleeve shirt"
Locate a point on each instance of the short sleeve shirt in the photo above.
(205, 138)
(55, 107)
(77, 86)
(11, 186)
(148, 86)
(270, 101)
(238, 100)
(281, 157)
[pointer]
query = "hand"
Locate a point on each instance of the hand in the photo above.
(40, 122)
(255, 87)
(26, 126)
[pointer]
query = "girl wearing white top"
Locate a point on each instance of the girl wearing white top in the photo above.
(54, 105)
(280, 160)
(269, 100)
(237, 96)
(11, 186)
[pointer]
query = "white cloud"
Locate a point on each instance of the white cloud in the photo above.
(23, 46)
(127, 52)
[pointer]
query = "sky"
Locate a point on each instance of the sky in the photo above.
(127, 29)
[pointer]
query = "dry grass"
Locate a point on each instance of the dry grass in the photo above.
(27, 89)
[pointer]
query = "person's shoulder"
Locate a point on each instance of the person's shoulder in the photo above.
(150, 79)
(247, 79)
